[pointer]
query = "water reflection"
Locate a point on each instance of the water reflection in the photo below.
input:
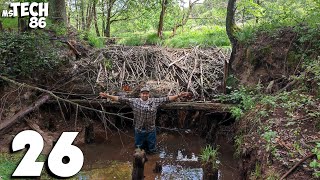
(178, 172)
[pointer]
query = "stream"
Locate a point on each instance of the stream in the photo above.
(179, 155)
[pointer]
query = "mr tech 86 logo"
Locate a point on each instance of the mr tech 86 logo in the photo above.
(37, 12)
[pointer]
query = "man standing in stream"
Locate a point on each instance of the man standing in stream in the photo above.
(144, 111)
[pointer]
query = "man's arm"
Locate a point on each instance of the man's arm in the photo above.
(105, 95)
(182, 94)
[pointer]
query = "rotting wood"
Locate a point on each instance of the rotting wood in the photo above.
(206, 106)
(6, 124)
(140, 159)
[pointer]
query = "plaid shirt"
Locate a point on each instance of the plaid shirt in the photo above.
(144, 111)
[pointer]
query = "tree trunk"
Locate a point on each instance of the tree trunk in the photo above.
(57, 11)
(77, 17)
(108, 25)
(82, 15)
(257, 18)
(90, 15)
(230, 28)
(22, 24)
(164, 4)
(95, 18)
(103, 18)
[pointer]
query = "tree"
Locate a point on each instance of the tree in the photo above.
(164, 4)
(57, 11)
(185, 16)
(231, 27)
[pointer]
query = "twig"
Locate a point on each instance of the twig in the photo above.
(295, 166)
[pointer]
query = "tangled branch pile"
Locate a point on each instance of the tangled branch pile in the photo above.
(167, 71)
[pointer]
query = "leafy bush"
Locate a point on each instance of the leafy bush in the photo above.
(25, 54)
(315, 164)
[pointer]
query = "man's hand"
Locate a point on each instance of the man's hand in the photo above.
(106, 95)
(184, 94)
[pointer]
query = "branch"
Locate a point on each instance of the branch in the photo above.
(61, 99)
(295, 166)
(9, 122)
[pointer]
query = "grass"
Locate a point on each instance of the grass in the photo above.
(203, 37)
(209, 154)
(9, 163)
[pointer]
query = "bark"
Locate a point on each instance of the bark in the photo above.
(90, 15)
(108, 23)
(57, 11)
(6, 124)
(95, 18)
(230, 28)
(82, 15)
(77, 17)
(164, 4)
(103, 18)
(22, 24)
(230, 24)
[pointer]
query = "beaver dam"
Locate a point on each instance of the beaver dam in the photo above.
(68, 101)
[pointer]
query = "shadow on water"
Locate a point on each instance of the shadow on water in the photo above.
(179, 156)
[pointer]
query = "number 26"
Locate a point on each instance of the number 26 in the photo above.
(63, 148)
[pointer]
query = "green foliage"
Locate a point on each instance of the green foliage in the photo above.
(9, 23)
(58, 29)
(270, 136)
(26, 54)
(315, 164)
(96, 41)
(210, 154)
(257, 172)
(236, 112)
(203, 37)
(272, 15)
(238, 144)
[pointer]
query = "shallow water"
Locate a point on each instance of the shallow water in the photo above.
(179, 156)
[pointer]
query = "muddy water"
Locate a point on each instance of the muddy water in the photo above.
(179, 156)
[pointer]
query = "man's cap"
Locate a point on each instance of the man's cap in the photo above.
(145, 89)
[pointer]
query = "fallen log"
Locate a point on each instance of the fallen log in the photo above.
(205, 106)
(6, 124)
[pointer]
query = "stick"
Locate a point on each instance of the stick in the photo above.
(295, 166)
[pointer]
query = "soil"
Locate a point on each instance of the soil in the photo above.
(267, 58)
(294, 134)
